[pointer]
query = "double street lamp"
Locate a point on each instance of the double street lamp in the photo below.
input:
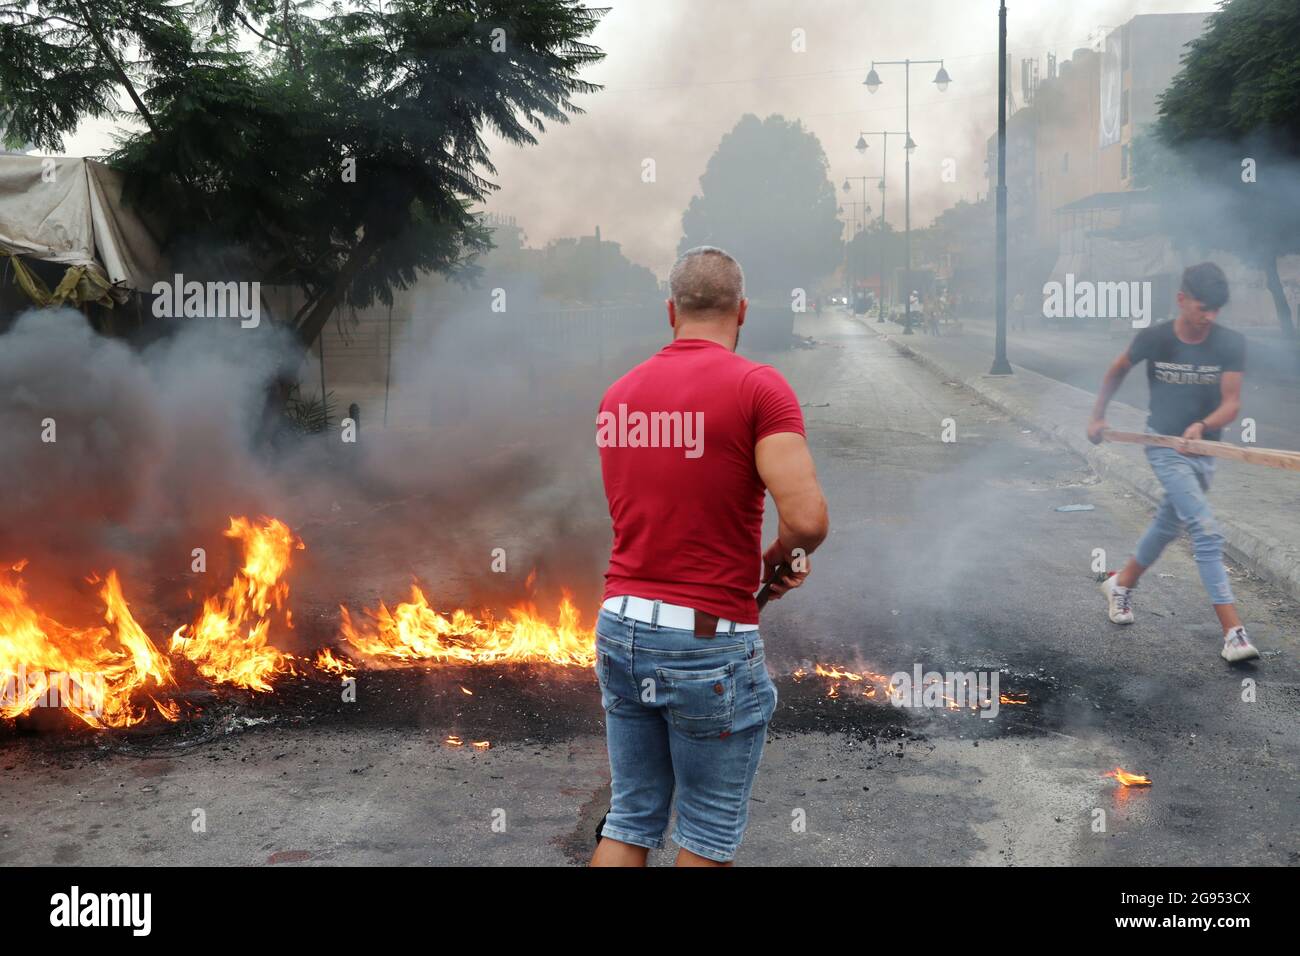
(872, 83)
(861, 147)
(866, 207)
(856, 209)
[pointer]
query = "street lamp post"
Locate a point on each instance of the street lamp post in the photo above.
(1000, 364)
(854, 208)
(855, 213)
(861, 147)
(872, 83)
(866, 207)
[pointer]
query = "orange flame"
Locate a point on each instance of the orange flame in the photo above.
(414, 632)
(338, 666)
(45, 663)
(169, 709)
(1128, 779)
(229, 641)
(833, 674)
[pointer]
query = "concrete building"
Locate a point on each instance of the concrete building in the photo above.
(1072, 138)
(1072, 202)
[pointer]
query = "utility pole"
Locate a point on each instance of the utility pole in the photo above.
(1000, 364)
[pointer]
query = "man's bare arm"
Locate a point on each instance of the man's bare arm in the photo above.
(1110, 384)
(785, 464)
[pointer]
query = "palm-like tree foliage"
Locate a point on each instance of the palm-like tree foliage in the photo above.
(248, 113)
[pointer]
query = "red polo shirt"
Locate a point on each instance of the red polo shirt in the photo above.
(676, 437)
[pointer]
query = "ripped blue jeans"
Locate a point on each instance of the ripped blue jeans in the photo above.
(1186, 479)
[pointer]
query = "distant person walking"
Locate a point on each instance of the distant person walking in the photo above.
(689, 441)
(1194, 370)
(932, 317)
(1018, 311)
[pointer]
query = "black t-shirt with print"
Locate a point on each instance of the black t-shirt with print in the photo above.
(1184, 378)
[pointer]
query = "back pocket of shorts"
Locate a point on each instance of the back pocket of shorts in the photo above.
(608, 699)
(700, 703)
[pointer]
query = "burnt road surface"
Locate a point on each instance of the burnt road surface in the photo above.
(947, 555)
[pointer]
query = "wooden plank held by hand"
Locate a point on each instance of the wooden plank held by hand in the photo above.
(765, 592)
(1271, 457)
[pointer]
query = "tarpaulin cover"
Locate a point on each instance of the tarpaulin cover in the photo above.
(1099, 258)
(69, 210)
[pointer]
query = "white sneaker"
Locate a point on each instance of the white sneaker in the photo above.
(1237, 646)
(1119, 599)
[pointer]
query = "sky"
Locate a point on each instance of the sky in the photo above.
(678, 74)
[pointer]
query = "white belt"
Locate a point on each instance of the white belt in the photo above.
(666, 615)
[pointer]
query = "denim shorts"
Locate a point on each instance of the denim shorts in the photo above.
(684, 714)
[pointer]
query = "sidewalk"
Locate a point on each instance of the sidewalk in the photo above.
(1258, 508)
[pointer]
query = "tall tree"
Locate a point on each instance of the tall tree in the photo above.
(863, 252)
(1230, 119)
(337, 147)
(766, 199)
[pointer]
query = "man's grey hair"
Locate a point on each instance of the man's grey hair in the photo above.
(706, 279)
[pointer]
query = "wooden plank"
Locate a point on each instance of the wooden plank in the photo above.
(1270, 457)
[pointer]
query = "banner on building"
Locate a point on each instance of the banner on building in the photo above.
(1112, 88)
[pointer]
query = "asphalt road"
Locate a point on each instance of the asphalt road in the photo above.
(947, 555)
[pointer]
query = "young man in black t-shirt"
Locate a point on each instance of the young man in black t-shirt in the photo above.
(1194, 369)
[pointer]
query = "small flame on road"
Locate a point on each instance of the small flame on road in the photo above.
(1128, 779)
(338, 666)
(834, 674)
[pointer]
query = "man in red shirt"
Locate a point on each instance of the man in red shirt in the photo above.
(689, 442)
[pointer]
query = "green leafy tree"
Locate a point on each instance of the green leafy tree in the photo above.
(957, 245)
(1234, 100)
(862, 253)
(336, 147)
(766, 199)
(583, 271)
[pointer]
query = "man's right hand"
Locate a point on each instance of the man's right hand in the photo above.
(1095, 428)
(776, 554)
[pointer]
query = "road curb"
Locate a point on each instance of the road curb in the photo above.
(1271, 557)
